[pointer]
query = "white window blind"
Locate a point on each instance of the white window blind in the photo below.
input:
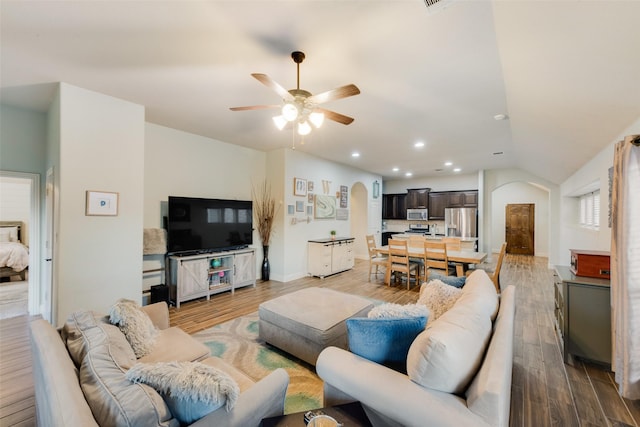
(590, 210)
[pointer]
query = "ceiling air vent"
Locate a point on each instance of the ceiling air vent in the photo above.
(437, 5)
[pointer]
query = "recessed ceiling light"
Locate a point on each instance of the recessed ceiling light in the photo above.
(457, 170)
(497, 153)
(355, 154)
(438, 170)
(395, 169)
(419, 144)
(408, 174)
(500, 117)
(448, 163)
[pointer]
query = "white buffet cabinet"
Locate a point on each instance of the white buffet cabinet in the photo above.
(202, 275)
(327, 256)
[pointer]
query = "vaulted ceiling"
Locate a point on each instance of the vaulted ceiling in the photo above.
(566, 73)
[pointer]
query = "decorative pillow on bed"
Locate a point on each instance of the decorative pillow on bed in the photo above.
(458, 282)
(8, 234)
(389, 310)
(191, 390)
(384, 340)
(135, 324)
(438, 297)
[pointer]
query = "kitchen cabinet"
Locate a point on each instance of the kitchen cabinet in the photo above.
(437, 202)
(463, 199)
(394, 206)
(582, 316)
(418, 198)
(440, 200)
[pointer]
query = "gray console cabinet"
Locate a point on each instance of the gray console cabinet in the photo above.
(582, 316)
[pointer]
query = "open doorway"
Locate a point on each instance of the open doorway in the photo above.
(19, 221)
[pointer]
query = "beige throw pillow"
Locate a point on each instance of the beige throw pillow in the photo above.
(438, 297)
(447, 355)
(135, 324)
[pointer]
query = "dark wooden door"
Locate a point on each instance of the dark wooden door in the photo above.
(520, 228)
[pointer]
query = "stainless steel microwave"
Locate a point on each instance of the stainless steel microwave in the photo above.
(417, 214)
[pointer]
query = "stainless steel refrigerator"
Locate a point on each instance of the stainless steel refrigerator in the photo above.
(461, 222)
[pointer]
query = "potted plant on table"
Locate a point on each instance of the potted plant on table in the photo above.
(264, 211)
(333, 234)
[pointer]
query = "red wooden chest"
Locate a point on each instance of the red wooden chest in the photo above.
(591, 263)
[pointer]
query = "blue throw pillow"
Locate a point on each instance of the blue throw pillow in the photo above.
(455, 281)
(384, 340)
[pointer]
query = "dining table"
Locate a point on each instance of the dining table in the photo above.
(461, 258)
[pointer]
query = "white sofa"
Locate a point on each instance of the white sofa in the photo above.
(62, 387)
(391, 398)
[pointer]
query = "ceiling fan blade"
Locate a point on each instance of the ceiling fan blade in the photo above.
(268, 82)
(254, 107)
(336, 117)
(337, 93)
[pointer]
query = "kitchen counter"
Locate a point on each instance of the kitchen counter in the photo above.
(430, 237)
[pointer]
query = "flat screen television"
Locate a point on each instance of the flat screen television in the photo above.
(197, 225)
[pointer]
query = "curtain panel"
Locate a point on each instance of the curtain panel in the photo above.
(625, 266)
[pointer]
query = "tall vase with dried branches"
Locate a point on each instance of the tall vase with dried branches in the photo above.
(264, 210)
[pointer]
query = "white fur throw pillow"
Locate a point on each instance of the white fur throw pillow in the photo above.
(438, 297)
(390, 310)
(190, 389)
(135, 324)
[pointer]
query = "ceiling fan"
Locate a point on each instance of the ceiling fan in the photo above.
(300, 106)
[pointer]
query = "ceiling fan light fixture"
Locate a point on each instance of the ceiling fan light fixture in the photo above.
(316, 119)
(304, 128)
(290, 111)
(280, 122)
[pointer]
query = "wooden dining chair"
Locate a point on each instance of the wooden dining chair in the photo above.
(375, 258)
(415, 245)
(435, 258)
(494, 273)
(399, 261)
(453, 243)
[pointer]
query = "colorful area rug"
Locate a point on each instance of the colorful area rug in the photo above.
(237, 343)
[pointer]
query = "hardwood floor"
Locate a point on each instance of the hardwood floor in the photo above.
(545, 391)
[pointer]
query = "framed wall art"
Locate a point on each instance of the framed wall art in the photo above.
(299, 206)
(299, 187)
(325, 207)
(101, 203)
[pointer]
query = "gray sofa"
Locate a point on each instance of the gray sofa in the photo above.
(62, 385)
(426, 395)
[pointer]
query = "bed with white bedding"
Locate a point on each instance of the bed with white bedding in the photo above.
(14, 255)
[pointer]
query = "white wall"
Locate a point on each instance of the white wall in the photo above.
(98, 258)
(572, 235)
(15, 203)
(293, 248)
(178, 163)
(521, 192)
(496, 178)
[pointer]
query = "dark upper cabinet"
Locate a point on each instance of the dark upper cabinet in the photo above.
(437, 202)
(418, 198)
(463, 199)
(394, 206)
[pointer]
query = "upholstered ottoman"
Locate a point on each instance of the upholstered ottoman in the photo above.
(305, 322)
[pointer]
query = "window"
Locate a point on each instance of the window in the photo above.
(590, 210)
